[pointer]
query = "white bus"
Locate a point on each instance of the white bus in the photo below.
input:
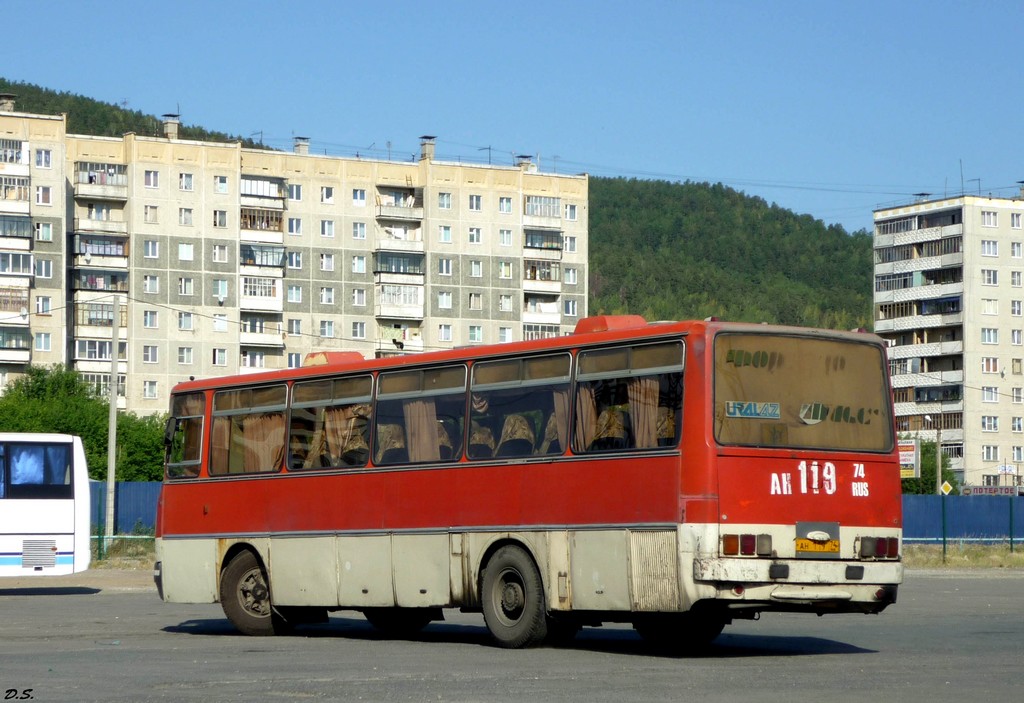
(44, 504)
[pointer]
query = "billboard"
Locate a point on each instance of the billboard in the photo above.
(910, 457)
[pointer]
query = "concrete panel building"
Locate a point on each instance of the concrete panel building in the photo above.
(203, 258)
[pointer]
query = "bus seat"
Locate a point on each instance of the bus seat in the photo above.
(444, 443)
(516, 437)
(481, 443)
(666, 426)
(610, 432)
(550, 443)
(391, 445)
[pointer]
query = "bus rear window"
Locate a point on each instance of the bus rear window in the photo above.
(801, 392)
(35, 471)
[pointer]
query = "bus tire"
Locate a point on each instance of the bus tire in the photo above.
(401, 622)
(513, 599)
(245, 596)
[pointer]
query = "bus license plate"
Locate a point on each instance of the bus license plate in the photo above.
(808, 545)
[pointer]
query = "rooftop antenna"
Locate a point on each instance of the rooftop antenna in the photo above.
(971, 180)
(488, 150)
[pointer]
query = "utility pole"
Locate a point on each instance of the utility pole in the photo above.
(938, 456)
(115, 329)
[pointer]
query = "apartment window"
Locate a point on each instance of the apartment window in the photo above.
(358, 264)
(989, 364)
(150, 249)
(570, 276)
(42, 341)
(474, 235)
(476, 333)
(505, 303)
(150, 214)
(1017, 394)
(150, 319)
(444, 201)
(989, 277)
(220, 184)
(44, 195)
(220, 253)
(476, 269)
(149, 390)
(185, 321)
(326, 228)
(505, 237)
(570, 212)
(444, 267)
(327, 262)
(294, 226)
(989, 423)
(295, 260)
(220, 289)
(444, 300)
(185, 286)
(220, 218)
(294, 326)
(1017, 424)
(294, 360)
(295, 191)
(444, 234)
(43, 305)
(990, 452)
(327, 194)
(294, 294)
(43, 158)
(989, 247)
(358, 230)
(44, 232)
(220, 322)
(1016, 279)
(1017, 337)
(475, 202)
(185, 355)
(989, 335)
(44, 268)
(476, 301)
(327, 296)
(185, 251)
(570, 308)
(152, 179)
(504, 269)
(1018, 453)
(1016, 366)
(570, 243)
(1015, 220)
(184, 181)
(253, 359)
(989, 394)
(359, 330)
(989, 219)
(444, 333)
(505, 205)
(220, 357)
(989, 306)
(504, 334)
(358, 197)
(1015, 308)
(150, 355)
(326, 328)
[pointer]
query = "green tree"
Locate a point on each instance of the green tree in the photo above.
(925, 485)
(56, 399)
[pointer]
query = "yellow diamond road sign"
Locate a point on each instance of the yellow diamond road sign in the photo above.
(946, 488)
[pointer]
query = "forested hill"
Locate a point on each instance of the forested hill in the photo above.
(691, 250)
(662, 250)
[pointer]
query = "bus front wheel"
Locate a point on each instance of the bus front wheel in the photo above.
(513, 599)
(245, 596)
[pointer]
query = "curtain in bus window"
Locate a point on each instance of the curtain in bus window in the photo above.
(263, 441)
(643, 410)
(421, 430)
(556, 432)
(220, 449)
(346, 429)
(586, 416)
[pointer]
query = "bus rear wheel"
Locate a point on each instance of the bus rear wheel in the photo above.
(245, 596)
(513, 599)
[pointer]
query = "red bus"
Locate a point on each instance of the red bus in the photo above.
(675, 476)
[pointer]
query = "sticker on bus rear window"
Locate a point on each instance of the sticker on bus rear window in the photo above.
(751, 409)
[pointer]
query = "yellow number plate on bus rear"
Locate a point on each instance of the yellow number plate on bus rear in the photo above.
(809, 545)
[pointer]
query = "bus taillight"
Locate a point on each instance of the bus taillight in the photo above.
(747, 545)
(879, 547)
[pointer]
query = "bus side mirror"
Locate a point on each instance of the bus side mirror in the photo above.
(169, 429)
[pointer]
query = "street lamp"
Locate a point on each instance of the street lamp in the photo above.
(938, 452)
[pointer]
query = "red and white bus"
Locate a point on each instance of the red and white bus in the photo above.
(675, 476)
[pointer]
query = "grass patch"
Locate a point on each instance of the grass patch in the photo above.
(963, 555)
(124, 552)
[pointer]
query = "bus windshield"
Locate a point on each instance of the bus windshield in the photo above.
(801, 392)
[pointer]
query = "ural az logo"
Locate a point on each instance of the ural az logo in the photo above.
(751, 409)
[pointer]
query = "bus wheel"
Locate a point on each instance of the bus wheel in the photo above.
(401, 622)
(245, 596)
(513, 599)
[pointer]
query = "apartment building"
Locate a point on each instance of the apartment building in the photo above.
(949, 298)
(199, 259)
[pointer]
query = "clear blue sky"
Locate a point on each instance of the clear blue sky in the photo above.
(826, 108)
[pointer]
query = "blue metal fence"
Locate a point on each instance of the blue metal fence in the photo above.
(925, 518)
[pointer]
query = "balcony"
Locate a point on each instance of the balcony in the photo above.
(399, 239)
(399, 301)
(390, 339)
(15, 344)
(403, 204)
(275, 340)
(261, 225)
(101, 181)
(907, 351)
(257, 192)
(84, 224)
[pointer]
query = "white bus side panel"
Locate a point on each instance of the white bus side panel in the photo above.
(600, 570)
(189, 569)
(304, 570)
(365, 572)
(422, 571)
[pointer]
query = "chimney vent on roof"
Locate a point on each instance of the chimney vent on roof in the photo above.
(302, 145)
(427, 147)
(171, 124)
(7, 102)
